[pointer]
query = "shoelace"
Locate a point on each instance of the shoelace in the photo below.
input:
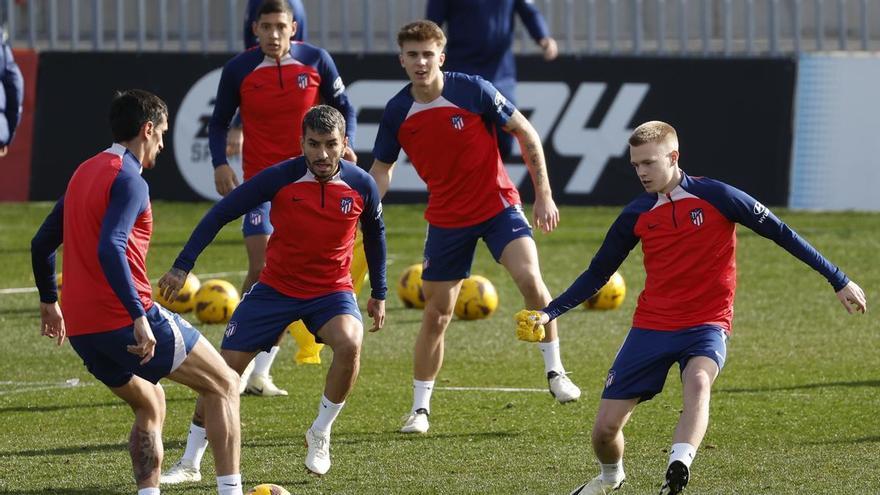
(320, 444)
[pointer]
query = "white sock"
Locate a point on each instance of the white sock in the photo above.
(196, 443)
(327, 412)
(552, 360)
(149, 491)
(612, 473)
(229, 484)
(263, 361)
(683, 452)
(422, 394)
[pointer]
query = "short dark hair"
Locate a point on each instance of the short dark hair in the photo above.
(275, 7)
(133, 108)
(323, 119)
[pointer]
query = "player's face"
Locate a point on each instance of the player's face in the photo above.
(656, 165)
(323, 152)
(155, 143)
(274, 32)
(422, 61)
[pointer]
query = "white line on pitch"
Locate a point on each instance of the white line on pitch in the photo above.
(26, 290)
(492, 389)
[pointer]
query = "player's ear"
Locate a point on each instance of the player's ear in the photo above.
(254, 28)
(147, 129)
(293, 27)
(400, 59)
(442, 58)
(673, 157)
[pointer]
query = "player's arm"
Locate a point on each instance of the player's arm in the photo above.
(43, 248)
(537, 27)
(301, 20)
(332, 91)
(225, 105)
(545, 212)
(437, 11)
(373, 227)
(259, 189)
(739, 207)
(382, 172)
(13, 85)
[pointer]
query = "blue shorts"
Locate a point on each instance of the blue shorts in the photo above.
(264, 313)
(106, 357)
(256, 221)
(449, 252)
(643, 361)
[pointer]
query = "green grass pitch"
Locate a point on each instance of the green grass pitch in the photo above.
(795, 410)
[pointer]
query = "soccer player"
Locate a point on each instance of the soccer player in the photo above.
(446, 124)
(125, 340)
(317, 201)
(273, 85)
(481, 42)
(687, 227)
(12, 96)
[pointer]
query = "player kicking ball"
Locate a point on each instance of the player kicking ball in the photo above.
(685, 313)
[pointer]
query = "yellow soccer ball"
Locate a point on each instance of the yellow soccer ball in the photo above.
(184, 301)
(215, 301)
(610, 296)
(477, 299)
(409, 288)
(268, 489)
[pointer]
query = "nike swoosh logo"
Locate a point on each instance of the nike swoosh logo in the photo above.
(519, 228)
(652, 226)
(296, 199)
(231, 484)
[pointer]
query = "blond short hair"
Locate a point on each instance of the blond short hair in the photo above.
(654, 131)
(421, 31)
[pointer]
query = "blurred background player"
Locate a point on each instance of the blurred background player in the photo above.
(446, 124)
(687, 227)
(317, 200)
(126, 341)
(481, 42)
(273, 86)
(12, 97)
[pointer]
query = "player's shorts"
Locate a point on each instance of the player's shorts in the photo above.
(643, 361)
(264, 313)
(256, 221)
(107, 358)
(449, 252)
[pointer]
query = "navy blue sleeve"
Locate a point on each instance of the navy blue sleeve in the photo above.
(739, 207)
(492, 103)
(299, 15)
(43, 247)
(373, 227)
(333, 92)
(13, 85)
(437, 11)
(129, 197)
(225, 105)
(387, 147)
(250, 194)
(533, 19)
(619, 241)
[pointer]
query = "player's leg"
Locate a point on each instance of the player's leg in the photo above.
(147, 401)
(449, 253)
(510, 241)
(256, 229)
(338, 320)
(704, 352)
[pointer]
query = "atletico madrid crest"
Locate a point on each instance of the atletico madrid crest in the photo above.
(345, 204)
(303, 81)
(458, 122)
(697, 216)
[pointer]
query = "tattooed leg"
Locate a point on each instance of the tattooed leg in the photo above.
(145, 447)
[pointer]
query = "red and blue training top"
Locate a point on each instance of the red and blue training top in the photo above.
(689, 243)
(105, 221)
(309, 253)
(274, 96)
(452, 145)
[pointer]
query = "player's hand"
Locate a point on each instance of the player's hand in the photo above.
(225, 179)
(530, 325)
(145, 342)
(376, 310)
(4, 150)
(546, 213)
(548, 46)
(52, 322)
(853, 298)
(234, 140)
(349, 154)
(171, 283)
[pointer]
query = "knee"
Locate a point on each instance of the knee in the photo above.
(533, 289)
(224, 384)
(698, 384)
(604, 432)
(437, 319)
(348, 350)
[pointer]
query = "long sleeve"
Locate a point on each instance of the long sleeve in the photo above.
(333, 93)
(533, 20)
(373, 227)
(45, 243)
(13, 85)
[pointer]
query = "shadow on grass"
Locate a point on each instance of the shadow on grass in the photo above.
(846, 441)
(379, 437)
(122, 448)
(806, 386)
(85, 405)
